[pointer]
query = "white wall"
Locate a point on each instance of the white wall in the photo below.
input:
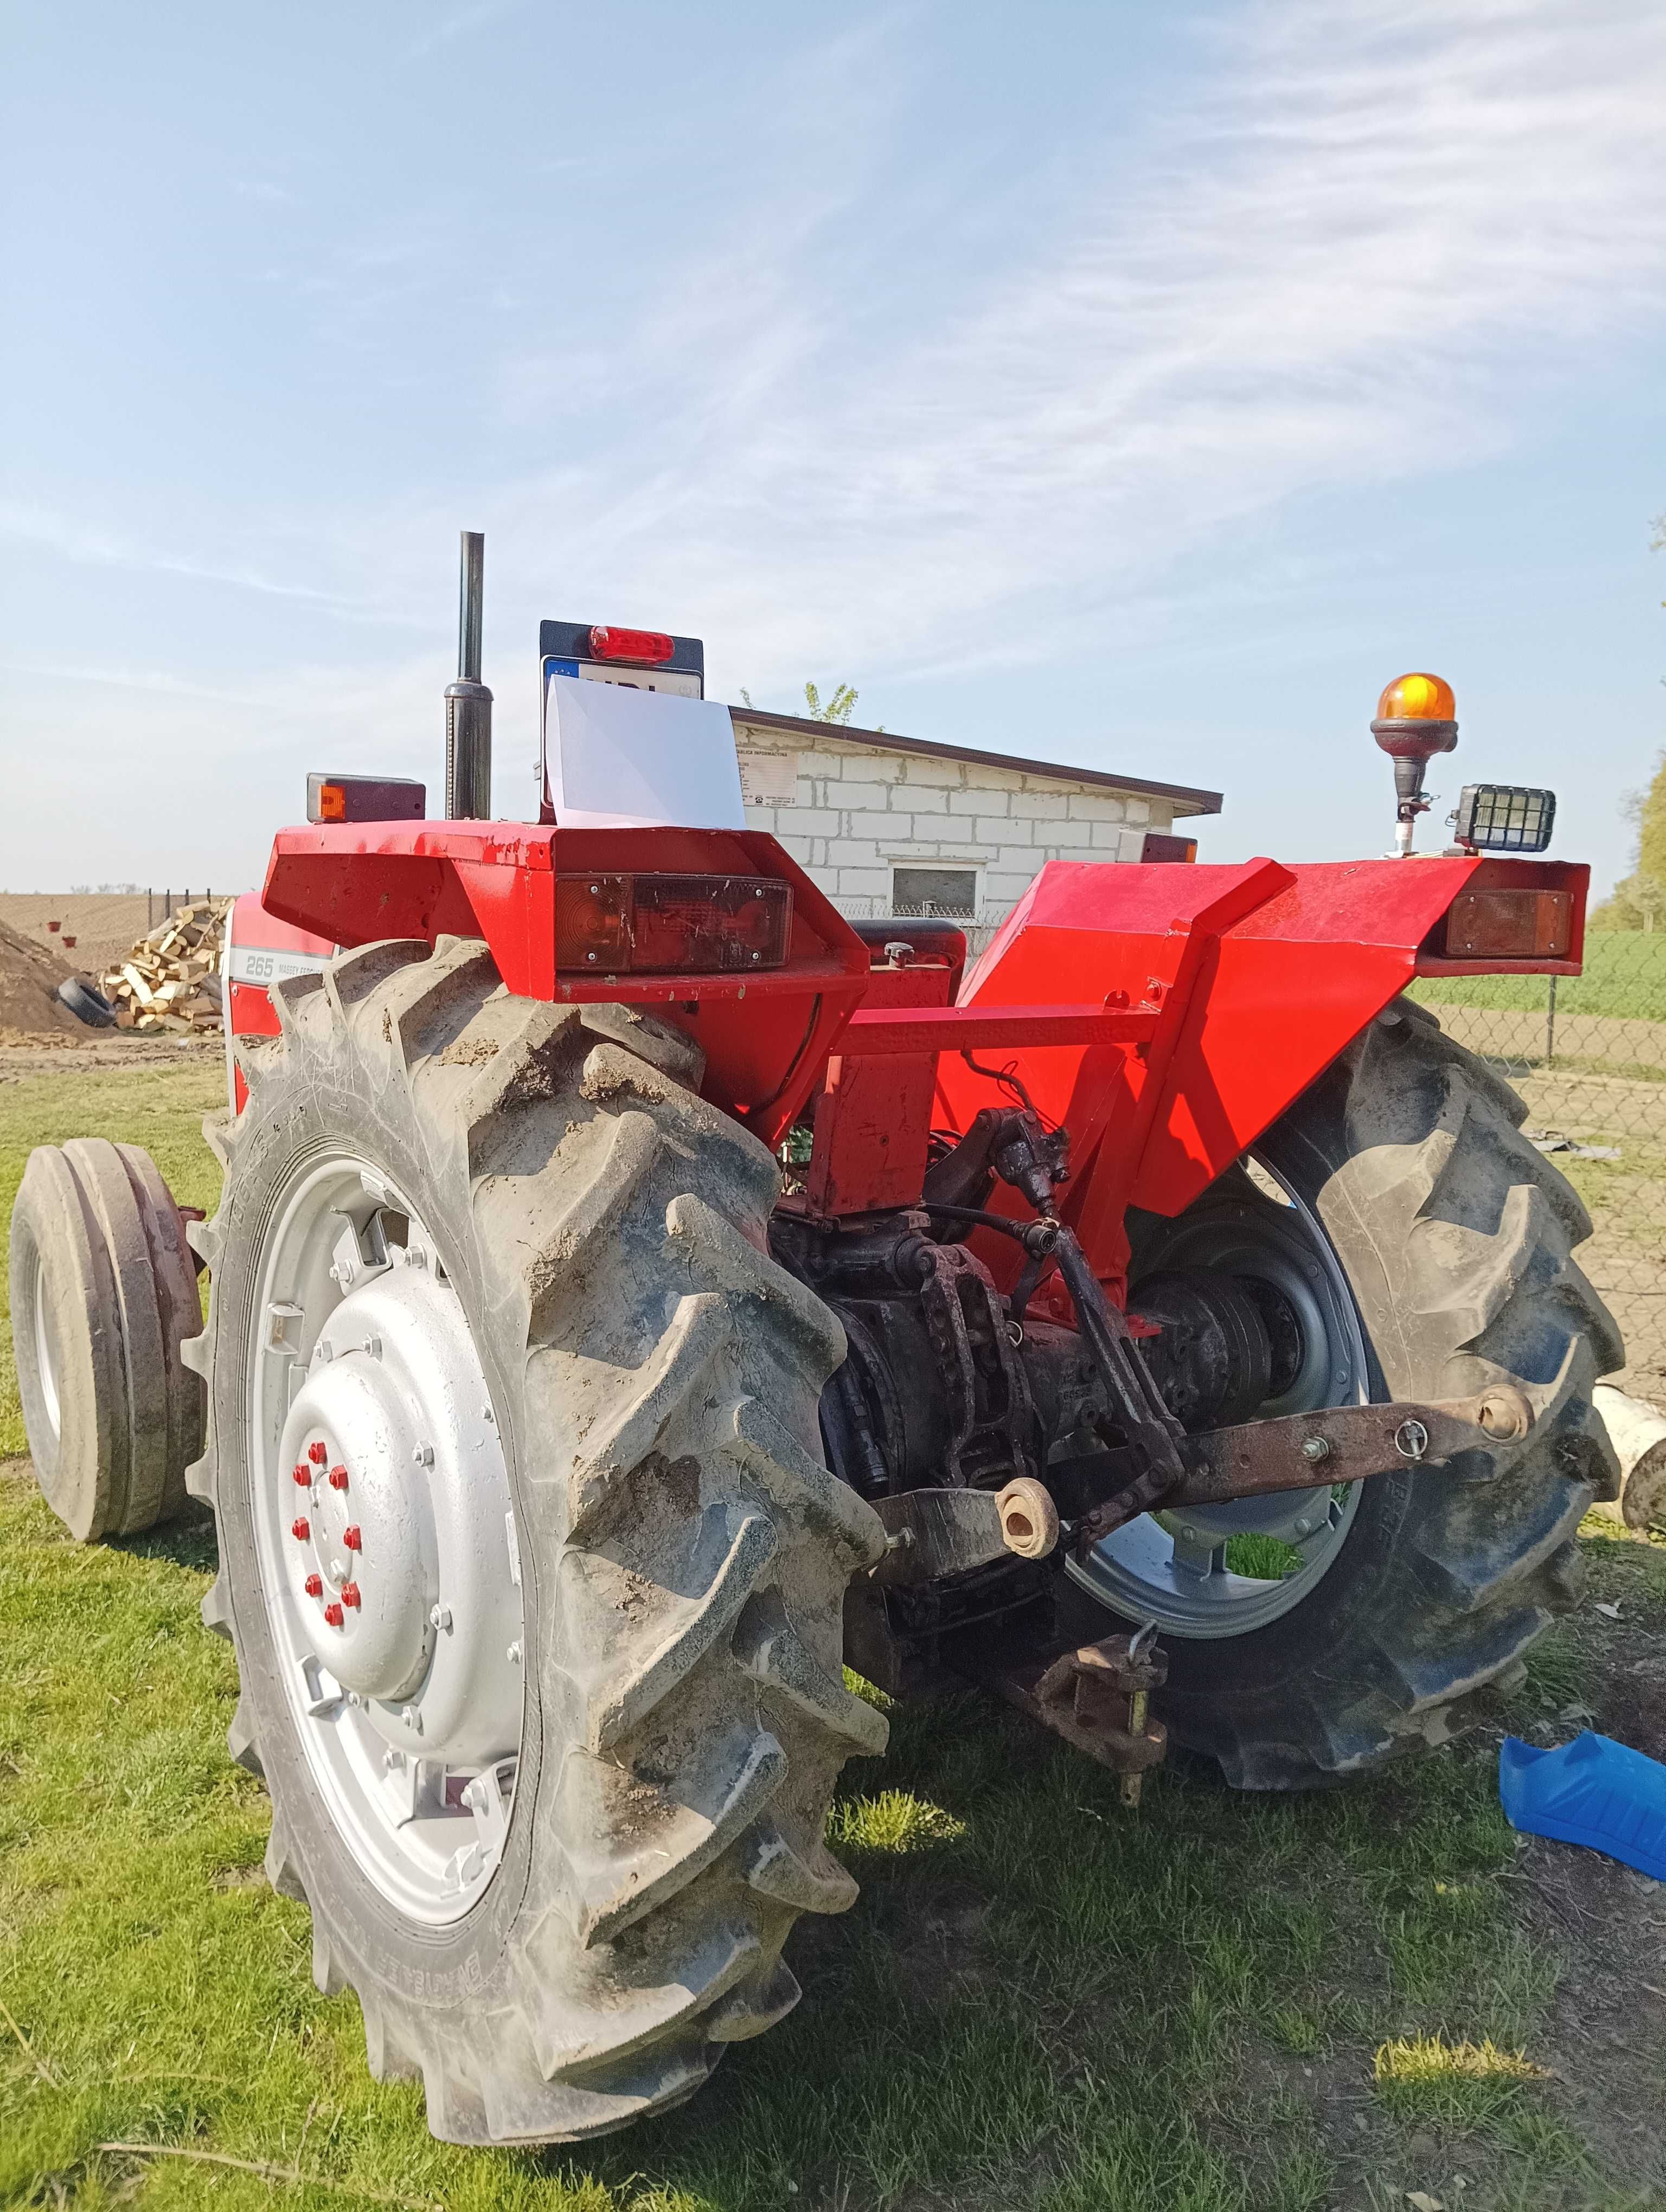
(861, 812)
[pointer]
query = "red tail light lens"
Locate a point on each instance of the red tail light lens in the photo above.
(1510, 926)
(647, 648)
(618, 925)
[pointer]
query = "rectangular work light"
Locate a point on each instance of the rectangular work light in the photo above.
(1505, 817)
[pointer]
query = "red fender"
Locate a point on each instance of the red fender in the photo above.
(1265, 974)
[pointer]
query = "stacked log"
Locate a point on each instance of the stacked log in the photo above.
(170, 981)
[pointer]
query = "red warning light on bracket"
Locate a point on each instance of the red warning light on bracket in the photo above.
(644, 648)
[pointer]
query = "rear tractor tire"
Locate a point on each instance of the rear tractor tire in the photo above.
(103, 1302)
(529, 1557)
(1405, 1241)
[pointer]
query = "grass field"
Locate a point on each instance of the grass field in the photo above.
(1039, 2004)
(1625, 976)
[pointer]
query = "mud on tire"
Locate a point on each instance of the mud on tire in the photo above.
(1456, 1238)
(654, 1378)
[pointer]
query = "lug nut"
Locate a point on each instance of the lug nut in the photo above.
(318, 1454)
(304, 1475)
(334, 1615)
(339, 1478)
(300, 1527)
(350, 1592)
(422, 1455)
(439, 1616)
(313, 1586)
(353, 1538)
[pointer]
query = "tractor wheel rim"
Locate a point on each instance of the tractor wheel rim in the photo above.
(45, 1368)
(1173, 1568)
(386, 1538)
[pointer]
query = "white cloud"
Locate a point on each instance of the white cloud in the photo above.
(91, 545)
(1367, 248)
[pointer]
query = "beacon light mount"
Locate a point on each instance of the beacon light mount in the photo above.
(1416, 718)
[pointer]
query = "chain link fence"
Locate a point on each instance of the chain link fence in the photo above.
(1588, 1054)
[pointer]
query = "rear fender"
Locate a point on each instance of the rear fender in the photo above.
(765, 1035)
(1265, 973)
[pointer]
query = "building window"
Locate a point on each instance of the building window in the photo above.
(950, 892)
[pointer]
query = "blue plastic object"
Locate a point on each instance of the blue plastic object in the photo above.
(1592, 1791)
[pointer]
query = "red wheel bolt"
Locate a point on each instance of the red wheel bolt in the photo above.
(352, 1539)
(332, 1614)
(350, 1592)
(300, 1527)
(304, 1475)
(318, 1454)
(339, 1478)
(313, 1586)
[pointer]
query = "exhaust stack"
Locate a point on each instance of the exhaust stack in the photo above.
(468, 702)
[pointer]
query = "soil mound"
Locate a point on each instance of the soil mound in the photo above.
(29, 977)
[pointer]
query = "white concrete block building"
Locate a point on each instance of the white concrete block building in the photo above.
(888, 826)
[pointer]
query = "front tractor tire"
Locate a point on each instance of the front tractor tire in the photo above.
(1406, 1242)
(495, 1347)
(103, 1305)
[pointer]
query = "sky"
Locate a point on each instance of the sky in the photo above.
(1136, 386)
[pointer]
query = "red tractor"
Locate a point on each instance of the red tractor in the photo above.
(637, 1291)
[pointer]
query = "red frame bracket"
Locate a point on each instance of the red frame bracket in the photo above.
(875, 1030)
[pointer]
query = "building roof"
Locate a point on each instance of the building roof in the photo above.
(1187, 800)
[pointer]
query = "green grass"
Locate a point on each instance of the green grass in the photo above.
(161, 1108)
(1041, 2004)
(1624, 975)
(1039, 1999)
(1264, 1558)
(1426, 2078)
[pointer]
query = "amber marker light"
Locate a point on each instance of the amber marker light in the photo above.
(1416, 718)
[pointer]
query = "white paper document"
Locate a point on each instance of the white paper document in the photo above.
(625, 759)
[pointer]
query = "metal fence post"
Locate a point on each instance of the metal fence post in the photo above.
(1550, 1025)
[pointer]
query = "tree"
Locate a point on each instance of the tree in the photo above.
(1638, 900)
(839, 706)
(841, 703)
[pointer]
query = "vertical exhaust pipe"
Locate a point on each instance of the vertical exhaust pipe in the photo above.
(468, 702)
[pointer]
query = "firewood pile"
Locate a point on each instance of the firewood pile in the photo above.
(171, 979)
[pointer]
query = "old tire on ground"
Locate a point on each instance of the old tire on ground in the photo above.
(1452, 1237)
(85, 1003)
(585, 1236)
(103, 1299)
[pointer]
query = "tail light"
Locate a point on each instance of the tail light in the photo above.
(616, 924)
(1510, 925)
(647, 648)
